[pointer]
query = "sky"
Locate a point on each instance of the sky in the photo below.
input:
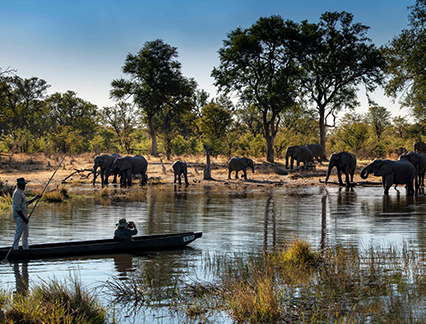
(82, 45)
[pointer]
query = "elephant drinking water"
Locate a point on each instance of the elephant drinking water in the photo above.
(239, 164)
(392, 172)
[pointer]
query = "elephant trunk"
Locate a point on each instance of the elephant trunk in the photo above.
(286, 160)
(330, 167)
(364, 173)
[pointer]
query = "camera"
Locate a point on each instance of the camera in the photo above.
(131, 225)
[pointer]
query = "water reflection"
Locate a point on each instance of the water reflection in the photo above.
(269, 232)
(236, 218)
(21, 277)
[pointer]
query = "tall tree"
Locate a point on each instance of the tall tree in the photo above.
(379, 118)
(257, 64)
(155, 80)
(407, 63)
(121, 118)
(336, 58)
(66, 109)
(22, 103)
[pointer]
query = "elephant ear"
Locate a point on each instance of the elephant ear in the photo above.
(383, 168)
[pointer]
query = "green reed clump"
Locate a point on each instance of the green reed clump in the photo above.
(55, 302)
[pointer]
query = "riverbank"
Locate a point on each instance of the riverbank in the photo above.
(38, 168)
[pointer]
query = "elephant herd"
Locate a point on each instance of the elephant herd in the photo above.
(127, 166)
(408, 170)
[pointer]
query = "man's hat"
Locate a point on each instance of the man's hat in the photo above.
(122, 223)
(21, 181)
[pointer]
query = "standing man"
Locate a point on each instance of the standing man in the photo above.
(19, 213)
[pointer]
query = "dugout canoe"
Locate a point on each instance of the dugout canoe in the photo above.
(140, 244)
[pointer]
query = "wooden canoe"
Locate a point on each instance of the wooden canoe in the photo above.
(140, 244)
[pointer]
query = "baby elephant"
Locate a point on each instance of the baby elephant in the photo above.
(180, 168)
(239, 164)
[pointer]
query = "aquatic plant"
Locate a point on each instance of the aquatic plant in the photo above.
(55, 302)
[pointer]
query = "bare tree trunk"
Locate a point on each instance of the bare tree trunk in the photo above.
(207, 170)
(154, 151)
(322, 127)
(270, 149)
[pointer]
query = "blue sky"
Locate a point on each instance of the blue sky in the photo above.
(81, 45)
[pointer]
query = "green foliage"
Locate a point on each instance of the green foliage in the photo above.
(405, 63)
(336, 57)
(156, 82)
(258, 65)
(351, 135)
(65, 139)
(214, 124)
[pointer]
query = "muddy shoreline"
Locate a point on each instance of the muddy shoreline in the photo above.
(76, 169)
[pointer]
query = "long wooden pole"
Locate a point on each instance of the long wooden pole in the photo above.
(18, 237)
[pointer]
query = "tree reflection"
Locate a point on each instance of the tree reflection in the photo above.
(269, 228)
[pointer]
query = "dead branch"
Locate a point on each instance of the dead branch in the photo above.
(79, 171)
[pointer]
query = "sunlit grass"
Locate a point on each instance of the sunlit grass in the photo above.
(54, 302)
(296, 284)
(58, 195)
(5, 201)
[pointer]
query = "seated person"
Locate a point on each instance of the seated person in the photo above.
(124, 231)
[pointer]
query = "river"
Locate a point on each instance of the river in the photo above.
(234, 218)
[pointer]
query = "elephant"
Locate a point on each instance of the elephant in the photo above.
(392, 172)
(318, 152)
(104, 162)
(400, 150)
(419, 147)
(239, 164)
(298, 153)
(130, 165)
(419, 161)
(344, 162)
(180, 168)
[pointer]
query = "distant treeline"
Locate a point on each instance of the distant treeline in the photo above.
(290, 80)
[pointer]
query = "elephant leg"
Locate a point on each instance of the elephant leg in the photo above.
(179, 180)
(236, 174)
(339, 176)
(102, 178)
(388, 181)
(129, 177)
(229, 174)
(186, 179)
(291, 162)
(175, 178)
(245, 173)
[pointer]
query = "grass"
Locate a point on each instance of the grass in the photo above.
(54, 302)
(294, 284)
(58, 195)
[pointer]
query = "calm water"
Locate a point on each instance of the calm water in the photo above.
(238, 219)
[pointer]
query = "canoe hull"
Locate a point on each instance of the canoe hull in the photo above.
(140, 244)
